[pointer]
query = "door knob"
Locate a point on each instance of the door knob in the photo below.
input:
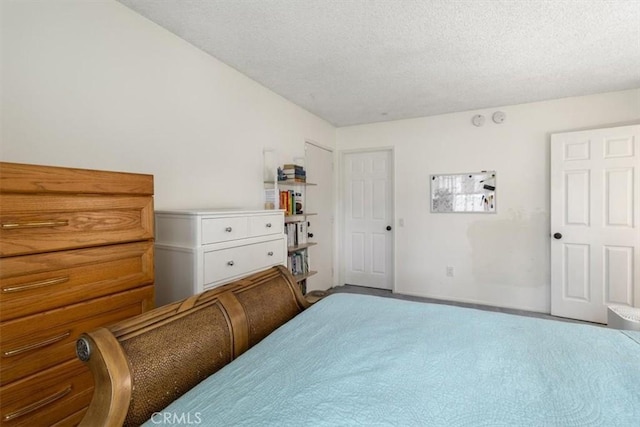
(388, 228)
(557, 236)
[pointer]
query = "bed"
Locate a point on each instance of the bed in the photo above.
(255, 352)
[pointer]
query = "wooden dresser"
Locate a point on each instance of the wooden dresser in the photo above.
(76, 253)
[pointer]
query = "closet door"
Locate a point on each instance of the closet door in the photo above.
(320, 200)
(595, 211)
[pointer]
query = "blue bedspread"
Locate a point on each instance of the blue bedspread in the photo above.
(371, 361)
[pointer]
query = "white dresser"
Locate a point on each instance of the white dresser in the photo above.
(197, 250)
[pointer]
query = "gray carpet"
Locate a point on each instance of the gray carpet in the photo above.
(388, 294)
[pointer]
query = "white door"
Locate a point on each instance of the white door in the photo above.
(368, 219)
(319, 200)
(595, 211)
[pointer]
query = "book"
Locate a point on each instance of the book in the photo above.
(294, 172)
(292, 203)
(288, 202)
(290, 230)
(296, 177)
(301, 232)
(298, 205)
(291, 171)
(305, 261)
(292, 166)
(296, 264)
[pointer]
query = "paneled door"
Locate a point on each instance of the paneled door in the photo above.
(368, 219)
(595, 211)
(319, 200)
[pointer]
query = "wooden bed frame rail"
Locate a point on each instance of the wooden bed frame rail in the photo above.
(142, 364)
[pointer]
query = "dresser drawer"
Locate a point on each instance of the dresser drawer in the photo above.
(262, 225)
(31, 284)
(41, 223)
(239, 260)
(33, 343)
(38, 179)
(48, 396)
(269, 253)
(216, 230)
(72, 420)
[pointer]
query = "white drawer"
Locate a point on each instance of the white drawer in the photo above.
(270, 253)
(215, 230)
(262, 225)
(241, 260)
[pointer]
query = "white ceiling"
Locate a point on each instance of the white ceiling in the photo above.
(364, 61)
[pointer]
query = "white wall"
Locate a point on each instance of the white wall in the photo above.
(500, 259)
(92, 84)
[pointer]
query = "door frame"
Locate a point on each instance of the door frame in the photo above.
(340, 207)
(334, 210)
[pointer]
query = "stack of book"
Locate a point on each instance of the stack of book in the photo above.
(292, 172)
(296, 233)
(298, 263)
(291, 202)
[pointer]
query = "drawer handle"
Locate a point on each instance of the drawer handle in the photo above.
(228, 229)
(37, 405)
(29, 347)
(270, 253)
(268, 225)
(35, 224)
(230, 263)
(34, 285)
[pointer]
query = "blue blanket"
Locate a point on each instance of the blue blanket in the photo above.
(371, 361)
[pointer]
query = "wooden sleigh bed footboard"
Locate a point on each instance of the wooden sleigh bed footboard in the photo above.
(144, 363)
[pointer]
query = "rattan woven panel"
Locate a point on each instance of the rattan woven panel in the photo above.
(267, 307)
(167, 361)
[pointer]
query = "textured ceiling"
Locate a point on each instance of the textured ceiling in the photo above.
(364, 61)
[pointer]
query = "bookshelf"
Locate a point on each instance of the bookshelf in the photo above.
(296, 223)
(295, 248)
(303, 276)
(281, 177)
(295, 218)
(296, 227)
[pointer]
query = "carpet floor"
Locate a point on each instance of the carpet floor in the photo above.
(388, 294)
